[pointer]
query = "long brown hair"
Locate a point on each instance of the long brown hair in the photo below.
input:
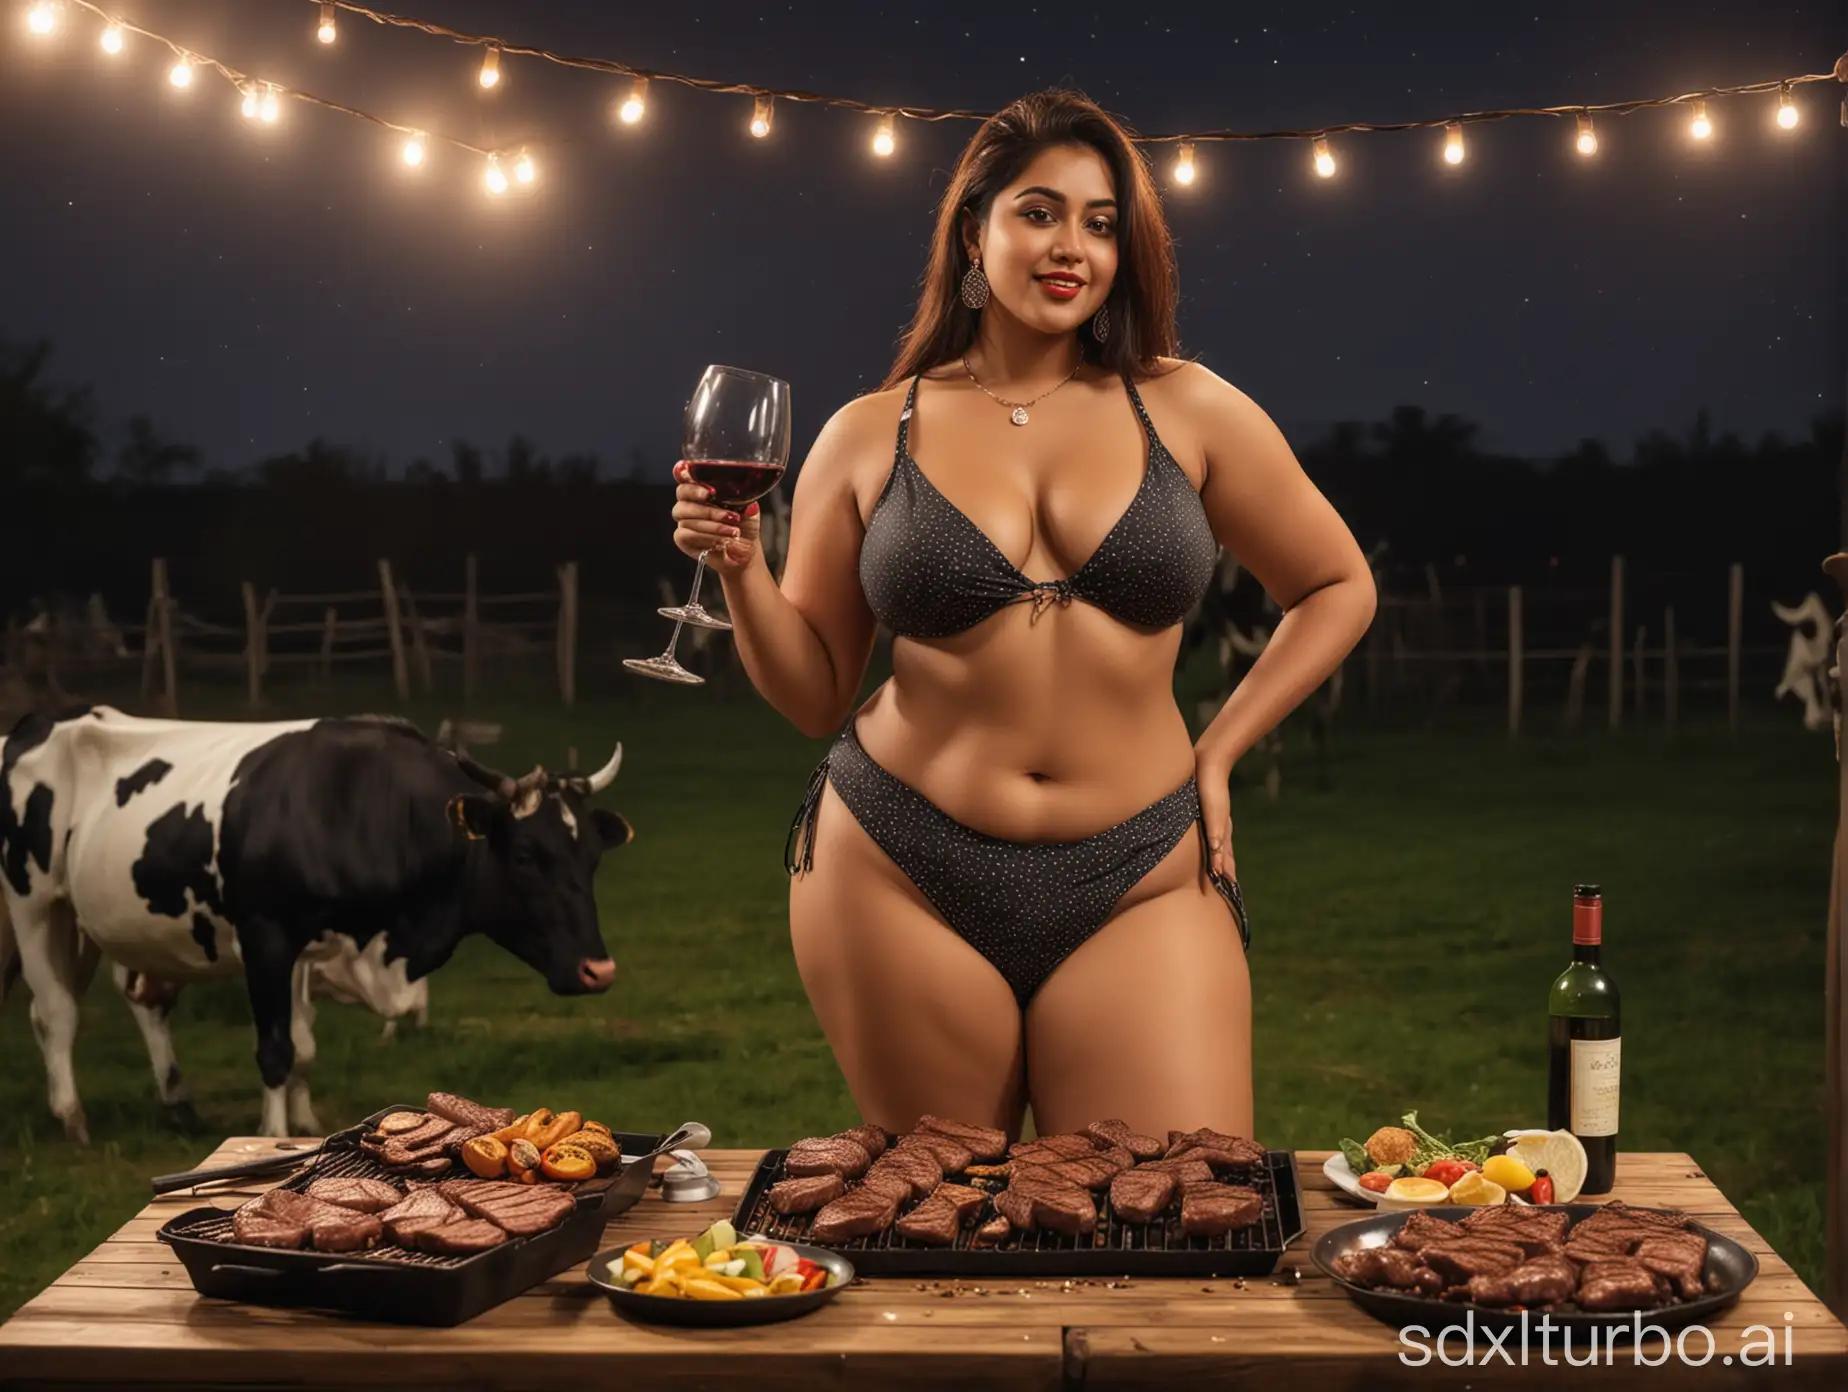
(1141, 300)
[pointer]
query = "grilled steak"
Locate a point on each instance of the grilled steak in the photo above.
(1617, 1212)
(857, 1213)
(432, 1131)
(1543, 1281)
(996, 1229)
(1061, 1208)
(1420, 1229)
(1184, 1171)
(1091, 1172)
(1238, 1150)
(1117, 1133)
(279, 1218)
(1620, 1284)
(984, 1142)
(465, 1235)
(964, 1198)
(1507, 1223)
(918, 1168)
(1136, 1196)
(869, 1138)
(1456, 1262)
(951, 1155)
(935, 1222)
(466, 1113)
(397, 1123)
(1207, 1210)
(426, 1208)
(1393, 1267)
(366, 1195)
(827, 1155)
(529, 1209)
(1065, 1146)
(806, 1194)
(1678, 1256)
(343, 1230)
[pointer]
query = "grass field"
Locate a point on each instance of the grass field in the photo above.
(1409, 912)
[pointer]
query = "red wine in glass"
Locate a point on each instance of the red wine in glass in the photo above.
(736, 442)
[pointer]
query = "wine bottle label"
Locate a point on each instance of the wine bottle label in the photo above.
(1597, 1066)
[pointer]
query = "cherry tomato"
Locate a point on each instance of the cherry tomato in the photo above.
(1448, 1172)
(1376, 1180)
(1542, 1190)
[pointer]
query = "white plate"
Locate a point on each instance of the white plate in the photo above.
(1342, 1176)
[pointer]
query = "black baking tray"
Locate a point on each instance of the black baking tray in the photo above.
(1729, 1269)
(396, 1284)
(1115, 1248)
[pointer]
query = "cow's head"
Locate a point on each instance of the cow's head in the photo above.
(531, 888)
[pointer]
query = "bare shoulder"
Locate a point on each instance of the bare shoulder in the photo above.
(1195, 392)
(1201, 417)
(854, 448)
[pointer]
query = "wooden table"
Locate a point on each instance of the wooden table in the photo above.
(127, 1314)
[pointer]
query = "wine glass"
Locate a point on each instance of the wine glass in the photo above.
(735, 441)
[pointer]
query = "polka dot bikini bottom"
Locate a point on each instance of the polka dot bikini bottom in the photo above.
(1024, 905)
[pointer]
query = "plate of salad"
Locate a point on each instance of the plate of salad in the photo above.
(1364, 1171)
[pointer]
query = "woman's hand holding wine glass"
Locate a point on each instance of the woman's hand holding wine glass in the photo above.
(727, 537)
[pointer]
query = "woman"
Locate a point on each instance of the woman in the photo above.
(995, 902)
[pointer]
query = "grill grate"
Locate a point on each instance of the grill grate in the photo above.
(1158, 1248)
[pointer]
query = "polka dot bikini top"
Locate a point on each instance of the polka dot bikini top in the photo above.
(929, 572)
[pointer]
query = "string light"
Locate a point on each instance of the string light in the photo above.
(1700, 127)
(42, 17)
(112, 39)
(1324, 159)
(250, 101)
(761, 116)
(524, 170)
(635, 105)
(180, 74)
(1184, 164)
(328, 31)
(883, 140)
(1786, 109)
(1453, 143)
(496, 177)
(490, 68)
(1587, 137)
(413, 152)
(271, 107)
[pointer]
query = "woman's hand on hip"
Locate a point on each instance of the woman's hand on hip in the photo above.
(727, 539)
(1213, 778)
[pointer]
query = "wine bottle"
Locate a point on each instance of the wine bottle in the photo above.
(1585, 1045)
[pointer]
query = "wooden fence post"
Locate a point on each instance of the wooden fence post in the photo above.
(163, 618)
(150, 640)
(253, 647)
(400, 670)
(1639, 672)
(418, 645)
(1671, 674)
(1516, 658)
(1735, 613)
(471, 634)
(567, 631)
(1616, 712)
(330, 629)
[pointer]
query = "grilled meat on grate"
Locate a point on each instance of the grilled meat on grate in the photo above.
(466, 1113)
(1059, 1208)
(1184, 1171)
(806, 1194)
(1090, 1172)
(1136, 1196)
(1064, 1145)
(984, 1142)
(343, 1230)
(826, 1155)
(1117, 1133)
(465, 1235)
(276, 1219)
(934, 1222)
(1238, 1150)
(365, 1195)
(529, 1208)
(857, 1213)
(869, 1138)
(996, 1229)
(1211, 1209)
(918, 1169)
(951, 1156)
(425, 1208)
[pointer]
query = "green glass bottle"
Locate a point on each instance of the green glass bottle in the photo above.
(1585, 1045)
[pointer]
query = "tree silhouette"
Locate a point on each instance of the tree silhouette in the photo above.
(148, 459)
(46, 437)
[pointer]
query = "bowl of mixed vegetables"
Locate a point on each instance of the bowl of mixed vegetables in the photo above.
(719, 1278)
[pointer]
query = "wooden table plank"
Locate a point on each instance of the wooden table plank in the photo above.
(127, 1310)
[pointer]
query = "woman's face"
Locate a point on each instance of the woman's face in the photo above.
(1049, 248)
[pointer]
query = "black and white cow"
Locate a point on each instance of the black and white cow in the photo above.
(184, 850)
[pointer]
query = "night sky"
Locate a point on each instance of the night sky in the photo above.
(253, 287)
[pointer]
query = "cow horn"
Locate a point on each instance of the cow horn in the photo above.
(606, 775)
(492, 779)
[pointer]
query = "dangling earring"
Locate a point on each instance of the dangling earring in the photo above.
(1100, 323)
(975, 286)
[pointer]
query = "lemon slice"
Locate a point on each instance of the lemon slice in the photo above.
(1509, 1172)
(1476, 1191)
(1559, 1153)
(1412, 1189)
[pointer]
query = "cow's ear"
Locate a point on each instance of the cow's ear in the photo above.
(612, 829)
(473, 814)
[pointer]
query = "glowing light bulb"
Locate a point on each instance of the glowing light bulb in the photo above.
(112, 39)
(180, 74)
(413, 151)
(496, 177)
(271, 107)
(1700, 127)
(1587, 137)
(42, 18)
(328, 31)
(884, 141)
(1184, 164)
(1453, 143)
(524, 170)
(490, 68)
(634, 106)
(1786, 109)
(250, 103)
(761, 116)
(1324, 160)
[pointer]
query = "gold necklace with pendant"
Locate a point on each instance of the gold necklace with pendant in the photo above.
(1019, 414)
